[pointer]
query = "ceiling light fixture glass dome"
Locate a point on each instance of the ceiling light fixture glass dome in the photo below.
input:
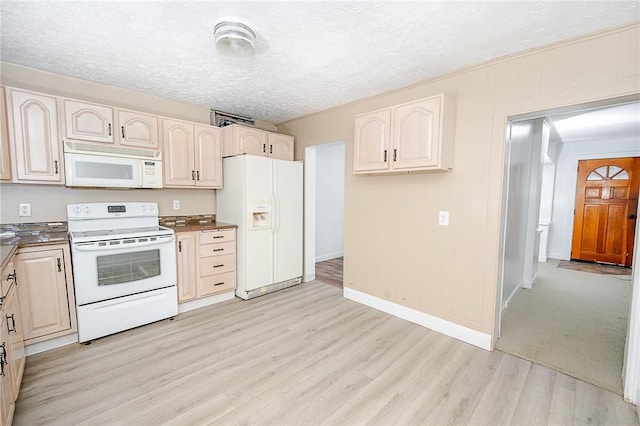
(234, 39)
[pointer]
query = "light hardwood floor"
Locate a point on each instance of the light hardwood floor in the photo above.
(330, 271)
(300, 356)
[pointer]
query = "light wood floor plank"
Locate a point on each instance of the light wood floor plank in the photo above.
(300, 356)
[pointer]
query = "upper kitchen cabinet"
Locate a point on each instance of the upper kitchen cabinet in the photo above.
(280, 146)
(33, 132)
(192, 155)
(95, 123)
(88, 122)
(412, 137)
(246, 140)
(138, 129)
(5, 163)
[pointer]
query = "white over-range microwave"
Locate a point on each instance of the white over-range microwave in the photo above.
(111, 167)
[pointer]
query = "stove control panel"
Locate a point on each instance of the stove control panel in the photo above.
(111, 210)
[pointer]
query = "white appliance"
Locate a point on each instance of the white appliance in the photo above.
(111, 167)
(124, 267)
(263, 197)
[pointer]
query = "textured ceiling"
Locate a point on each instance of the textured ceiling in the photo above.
(312, 55)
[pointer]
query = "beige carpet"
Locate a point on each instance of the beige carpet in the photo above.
(574, 322)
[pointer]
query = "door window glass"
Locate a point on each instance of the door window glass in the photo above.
(128, 267)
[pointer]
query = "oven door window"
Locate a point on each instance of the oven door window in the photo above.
(128, 267)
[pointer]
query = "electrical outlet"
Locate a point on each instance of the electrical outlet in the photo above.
(25, 209)
(176, 204)
(443, 218)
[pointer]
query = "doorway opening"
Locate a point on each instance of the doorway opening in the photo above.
(324, 213)
(570, 320)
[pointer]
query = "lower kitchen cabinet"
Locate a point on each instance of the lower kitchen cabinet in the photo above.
(12, 355)
(186, 244)
(46, 292)
(206, 263)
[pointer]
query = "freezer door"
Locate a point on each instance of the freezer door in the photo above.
(258, 247)
(287, 225)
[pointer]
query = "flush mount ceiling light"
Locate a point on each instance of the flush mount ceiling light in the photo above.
(234, 39)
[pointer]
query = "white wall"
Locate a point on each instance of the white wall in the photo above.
(517, 207)
(330, 201)
(569, 154)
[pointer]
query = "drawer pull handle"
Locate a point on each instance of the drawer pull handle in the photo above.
(59, 266)
(180, 246)
(109, 129)
(385, 155)
(218, 284)
(218, 236)
(55, 164)
(3, 359)
(123, 136)
(218, 250)
(12, 328)
(218, 266)
(12, 277)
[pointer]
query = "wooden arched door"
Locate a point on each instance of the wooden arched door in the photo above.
(605, 210)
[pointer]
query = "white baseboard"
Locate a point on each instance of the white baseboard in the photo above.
(559, 256)
(505, 304)
(47, 345)
(448, 328)
(329, 256)
(542, 258)
(309, 277)
(529, 283)
(206, 301)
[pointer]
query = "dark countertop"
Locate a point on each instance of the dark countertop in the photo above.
(209, 226)
(194, 223)
(16, 235)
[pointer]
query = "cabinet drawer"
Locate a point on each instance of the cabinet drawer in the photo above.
(208, 237)
(217, 264)
(6, 282)
(217, 283)
(217, 249)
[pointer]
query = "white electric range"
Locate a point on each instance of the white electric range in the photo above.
(124, 267)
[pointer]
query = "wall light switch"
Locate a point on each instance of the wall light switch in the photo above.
(25, 209)
(443, 218)
(176, 204)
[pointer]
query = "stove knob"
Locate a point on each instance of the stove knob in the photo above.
(152, 208)
(77, 209)
(86, 209)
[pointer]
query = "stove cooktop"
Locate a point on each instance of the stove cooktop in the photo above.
(109, 234)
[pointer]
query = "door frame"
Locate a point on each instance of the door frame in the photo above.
(310, 178)
(630, 369)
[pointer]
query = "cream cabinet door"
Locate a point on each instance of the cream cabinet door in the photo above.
(179, 156)
(416, 135)
(138, 130)
(280, 146)
(44, 306)
(250, 141)
(372, 136)
(15, 346)
(88, 122)
(187, 257)
(34, 133)
(5, 167)
(7, 399)
(208, 141)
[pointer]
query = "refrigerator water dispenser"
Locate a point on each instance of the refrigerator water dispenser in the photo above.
(260, 217)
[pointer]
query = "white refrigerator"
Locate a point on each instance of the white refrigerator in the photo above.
(263, 196)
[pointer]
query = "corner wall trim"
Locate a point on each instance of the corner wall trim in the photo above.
(448, 328)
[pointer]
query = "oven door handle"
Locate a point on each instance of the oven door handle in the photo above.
(93, 246)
